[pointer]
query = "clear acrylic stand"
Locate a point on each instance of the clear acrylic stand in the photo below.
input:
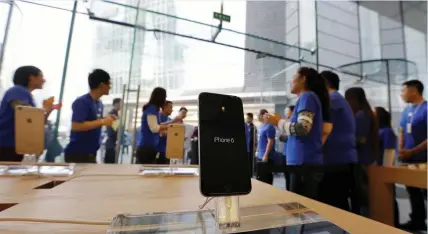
(227, 212)
(173, 165)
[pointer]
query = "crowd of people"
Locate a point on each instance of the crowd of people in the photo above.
(329, 139)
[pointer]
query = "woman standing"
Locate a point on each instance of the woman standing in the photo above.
(387, 137)
(305, 131)
(26, 79)
(151, 128)
(367, 145)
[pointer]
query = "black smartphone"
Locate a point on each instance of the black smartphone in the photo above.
(223, 159)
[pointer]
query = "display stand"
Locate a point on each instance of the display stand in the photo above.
(227, 212)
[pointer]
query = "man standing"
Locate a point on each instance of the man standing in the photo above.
(86, 120)
(110, 155)
(413, 146)
(182, 113)
(288, 112)
(161, 147)
(252, 135)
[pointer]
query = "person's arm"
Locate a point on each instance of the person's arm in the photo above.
(152, 121)
(271, 141)
(79, 121)
(401, 130)
(327, 127)
(421, 147)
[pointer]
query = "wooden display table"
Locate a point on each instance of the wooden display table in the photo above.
(97, 199)
(381, 188)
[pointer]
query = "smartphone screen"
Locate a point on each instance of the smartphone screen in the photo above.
(223, 159)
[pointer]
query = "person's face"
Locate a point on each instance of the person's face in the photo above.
(183, 114)
(288, 113)
(105, 88)
(36, 82)
(408, 93)
(297, 83)
(249, 119)
(167, 109)
(118, 106)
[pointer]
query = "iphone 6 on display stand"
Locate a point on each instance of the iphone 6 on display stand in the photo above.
(223, 160)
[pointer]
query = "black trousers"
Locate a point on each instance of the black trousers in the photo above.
(359, 189)
(80, 158)
(417, 204)
(8, 154)
(335, 187)
(146, 155)
(110, 156)
(305, 181)
(162, 158)
(264, 171)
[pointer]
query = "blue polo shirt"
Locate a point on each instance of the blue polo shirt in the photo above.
(416, 117)
(363, 127)
(247, 136)
(266, 132)
(161, 147)
(148, 138)
(7, 113)
(340, 147)
(306, 149)
(88, 142)
(388, 140)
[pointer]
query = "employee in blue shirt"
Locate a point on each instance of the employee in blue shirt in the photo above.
(367, 144)
(339, 148)
(26, 79)
(265, 148)
(413, 146)
(87, 120)
(251, 140)
(164, 118)
(387, 137)
(151, 127)
(305, 131)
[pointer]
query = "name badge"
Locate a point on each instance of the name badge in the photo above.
(409, 128)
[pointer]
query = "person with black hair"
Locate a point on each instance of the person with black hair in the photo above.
(87, 120)
(110, 154)
(251, 140)
(165, 119)
(339, 148)
(26, 79)
(151, 127)
(367, 145)
(182, 114)
(387, 137)
(265, 148)
(305, 131)
(413, 146)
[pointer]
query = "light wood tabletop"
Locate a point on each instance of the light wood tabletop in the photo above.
(98, 198)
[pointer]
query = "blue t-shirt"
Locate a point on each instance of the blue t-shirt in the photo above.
(87, 142)
(148, 138)
(7, 113)
(340, 147)
(363, 128)
(388, 140)
(161, 147)
(416, 116)
(247, 136)
(306, 149)
(266, 131)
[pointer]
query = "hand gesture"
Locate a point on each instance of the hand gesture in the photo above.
(108, 121)
(405, 155)
(48, 103)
